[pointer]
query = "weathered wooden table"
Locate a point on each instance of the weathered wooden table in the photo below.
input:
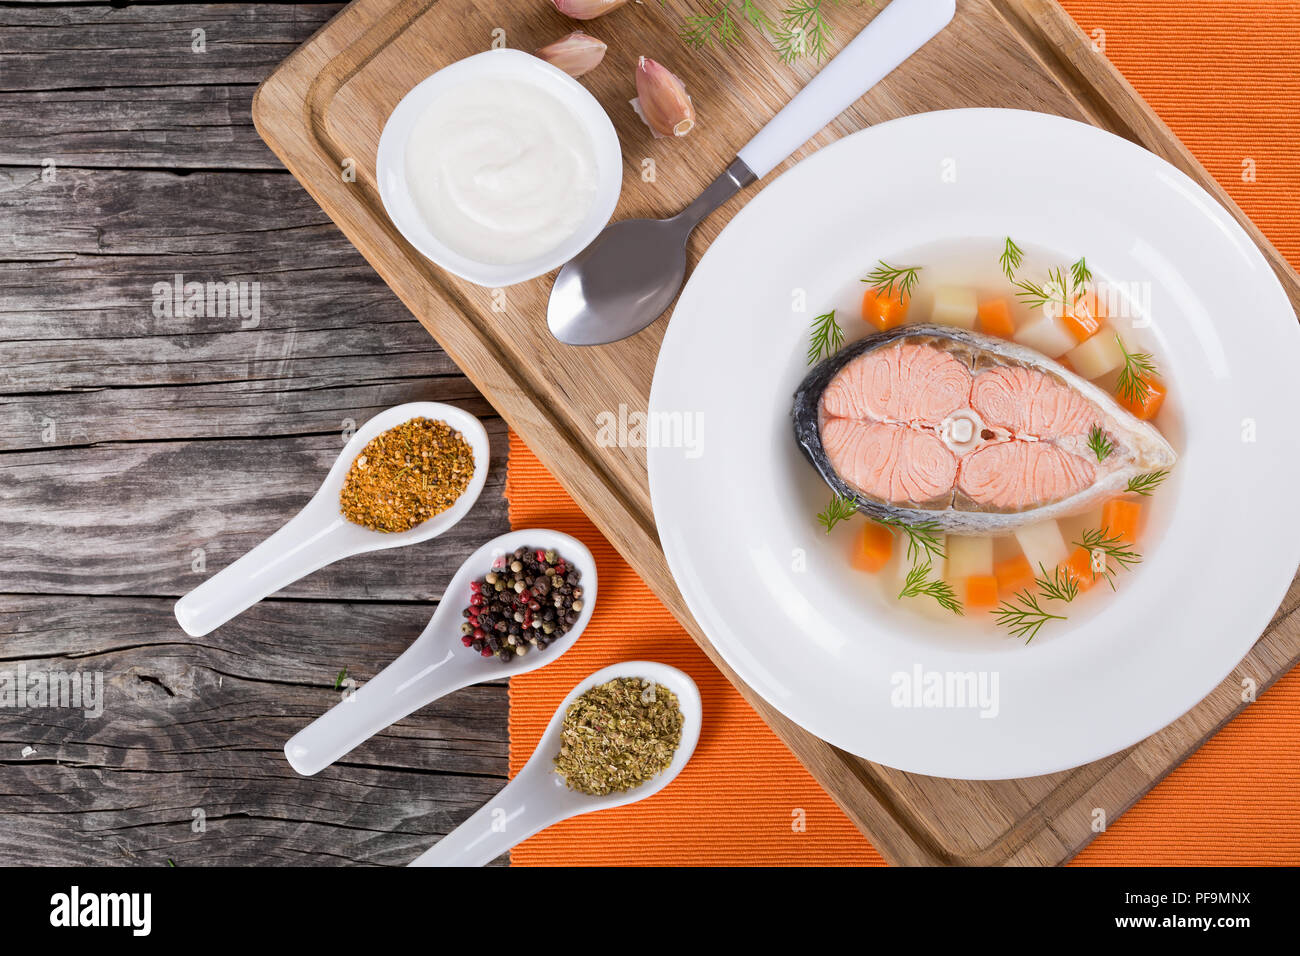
(145, 446)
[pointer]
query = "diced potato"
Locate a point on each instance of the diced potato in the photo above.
(956, 306)
(969, 557)
(1072, 528)
(1043, 545)
(1046, 333)
(1097, 356)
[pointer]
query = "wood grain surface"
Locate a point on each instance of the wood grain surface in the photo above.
(322, 112)
(130, 440)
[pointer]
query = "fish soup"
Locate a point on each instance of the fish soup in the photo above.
(988, 421)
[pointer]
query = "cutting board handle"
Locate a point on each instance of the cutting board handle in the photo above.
(896, 33)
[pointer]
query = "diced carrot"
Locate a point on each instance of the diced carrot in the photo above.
(981, 591)
(995, 318)
(1096, 308)
(872, 547)
(1084, 318)
(1079, 566)
(1013, 575)
(1081, 325)
(1149, 406)
(1120, 517)
(883, 311)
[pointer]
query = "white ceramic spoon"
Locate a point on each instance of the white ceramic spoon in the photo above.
(438, 663)
(538, 797)
(319, 534)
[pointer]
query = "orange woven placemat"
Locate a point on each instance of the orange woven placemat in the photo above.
(1226, 77)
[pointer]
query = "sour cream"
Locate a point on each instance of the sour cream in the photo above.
(501, 170)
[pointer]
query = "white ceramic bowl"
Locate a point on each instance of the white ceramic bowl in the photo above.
(824, 647)
(390, 163)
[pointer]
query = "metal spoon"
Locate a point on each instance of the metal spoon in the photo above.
(538, 798)
(628, 276)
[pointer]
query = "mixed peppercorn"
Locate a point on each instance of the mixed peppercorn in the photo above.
(529, 600)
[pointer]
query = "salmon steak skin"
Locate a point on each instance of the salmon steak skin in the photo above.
(970, 433)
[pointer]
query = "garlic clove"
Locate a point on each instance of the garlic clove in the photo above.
(575, 54)
(661, 100)
(587, 9)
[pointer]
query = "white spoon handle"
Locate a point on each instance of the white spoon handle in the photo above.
(529, 803)
(418, 677)
(896, 33)
(302, 546)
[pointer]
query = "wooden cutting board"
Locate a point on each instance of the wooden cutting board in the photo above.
(322, 112)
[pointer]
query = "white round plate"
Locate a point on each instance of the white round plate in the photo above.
(733, 512)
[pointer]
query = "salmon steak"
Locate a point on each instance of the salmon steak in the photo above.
(978, 435)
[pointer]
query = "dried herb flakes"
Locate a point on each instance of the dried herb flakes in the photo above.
(618, 735)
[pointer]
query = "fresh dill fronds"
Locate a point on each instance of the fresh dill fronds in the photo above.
(1024, 616)
(922, 539)
(803, 30)
(714, 27)
(1080, 274)
(883, 277)
(826, 338)
(1037, 296)
(1113, 548)
(1060, 585)
(918, 584)
(338, 681)
(1011, 258)
(1147, 482)
(1132, 382)
(840, 509)
(719, 27)
(1100, 444)
(756, 17)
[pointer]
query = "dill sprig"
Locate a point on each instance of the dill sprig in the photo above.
(923, 539)
(718, 26)
(1113, 548)
(705, 29)
(918, 584)
(1060, 585)
(1132, 382)
(826, 337)
(840, 509)
(803, 30)
(1147, 482)
(1100, 444)
(799, 28)
(1036, 295)
(1024, 616)
(1080, 275)
(1011, 258)
(884, 276)
(756, 18)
